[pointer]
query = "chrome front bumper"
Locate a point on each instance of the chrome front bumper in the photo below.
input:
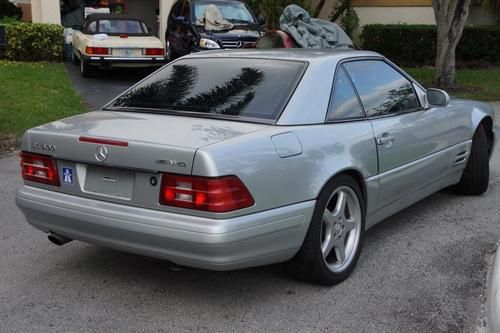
(252, 240)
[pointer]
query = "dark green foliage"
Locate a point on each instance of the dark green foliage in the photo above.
(415, 45)
(8, 9)
(271, 10)
(34, 42)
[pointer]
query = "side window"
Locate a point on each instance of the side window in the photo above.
(91, 28)
(344, 104)
(382, 89)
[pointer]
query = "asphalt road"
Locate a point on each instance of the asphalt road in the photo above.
(423, 270)
(99, 90)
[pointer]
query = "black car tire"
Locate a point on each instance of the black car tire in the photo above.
(172, 55)
(87, 70)
(309, 264)
(75, 59)
(476, 175)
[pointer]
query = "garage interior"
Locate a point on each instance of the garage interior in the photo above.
(73, 11)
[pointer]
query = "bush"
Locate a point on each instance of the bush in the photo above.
(34, 42)
(8, 9)
(415, 45)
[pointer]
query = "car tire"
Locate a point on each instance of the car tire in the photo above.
(75, 59)
(476, 175)
(171, 53)
(336, 221)
(86, 69)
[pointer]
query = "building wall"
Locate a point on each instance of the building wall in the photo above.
(401, 11)
(46, 11)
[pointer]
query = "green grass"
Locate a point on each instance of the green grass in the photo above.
(33, 94)
(480, 84)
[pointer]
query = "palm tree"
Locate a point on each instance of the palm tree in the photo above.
(228, 98)
(162, 93)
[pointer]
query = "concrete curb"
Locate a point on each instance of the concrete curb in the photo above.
(493, 298)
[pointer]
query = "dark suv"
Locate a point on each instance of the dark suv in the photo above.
(183, 36)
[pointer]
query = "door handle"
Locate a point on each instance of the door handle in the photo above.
(385, 139)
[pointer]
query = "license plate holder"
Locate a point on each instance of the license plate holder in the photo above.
(109, 182)
(127, 53)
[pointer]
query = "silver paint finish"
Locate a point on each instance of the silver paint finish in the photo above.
(398, 159)
(251, 240)
(287, 144)
(341, 229)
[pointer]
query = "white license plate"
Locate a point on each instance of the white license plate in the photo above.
(127, 53)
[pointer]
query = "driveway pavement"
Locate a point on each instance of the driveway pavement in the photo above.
(108, 84)
(423, 270)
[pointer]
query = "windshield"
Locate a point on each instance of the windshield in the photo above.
(233, 12)
(251, 89)
(121, 27)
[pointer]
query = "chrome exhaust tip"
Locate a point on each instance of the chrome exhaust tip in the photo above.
(58, 239)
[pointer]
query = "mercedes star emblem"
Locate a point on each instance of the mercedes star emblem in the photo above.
(101, 153)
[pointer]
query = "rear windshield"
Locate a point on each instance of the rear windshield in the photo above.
(252, 89)
(117, 27)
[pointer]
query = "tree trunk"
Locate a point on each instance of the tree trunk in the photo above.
(451, 16)
(340, 9)
(319, 7)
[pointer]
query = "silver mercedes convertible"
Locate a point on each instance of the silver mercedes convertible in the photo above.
(232, 159)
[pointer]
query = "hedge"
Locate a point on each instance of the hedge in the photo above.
(34, 42)
(415, 45)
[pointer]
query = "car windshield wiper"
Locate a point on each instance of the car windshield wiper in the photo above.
(240, 21)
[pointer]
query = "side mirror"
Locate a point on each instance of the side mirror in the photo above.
(77, 27)
(436, 97)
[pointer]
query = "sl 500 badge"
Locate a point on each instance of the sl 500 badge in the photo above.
(43, 146)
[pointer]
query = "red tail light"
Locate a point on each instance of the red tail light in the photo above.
(217, 195)
(40, 169)
(96, 50)
(154, 52)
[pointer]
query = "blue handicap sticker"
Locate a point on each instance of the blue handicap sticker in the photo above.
(67, 176)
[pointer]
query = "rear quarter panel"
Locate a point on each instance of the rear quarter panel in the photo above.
(465, 117)
(273, 181)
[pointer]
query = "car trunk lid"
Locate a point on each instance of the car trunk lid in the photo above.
(143, 141)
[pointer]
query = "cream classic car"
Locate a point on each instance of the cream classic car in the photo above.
(111, 40)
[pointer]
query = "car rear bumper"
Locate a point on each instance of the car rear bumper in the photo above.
(119, 61)
(252, 240)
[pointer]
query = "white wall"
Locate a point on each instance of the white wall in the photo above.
(389, 15)
(46, 11)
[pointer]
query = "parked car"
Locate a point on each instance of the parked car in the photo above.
(231, 159)
(184, 36)
(112, 40)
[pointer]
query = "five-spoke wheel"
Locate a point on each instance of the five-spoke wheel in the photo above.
(333, 242)
(341, 229)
